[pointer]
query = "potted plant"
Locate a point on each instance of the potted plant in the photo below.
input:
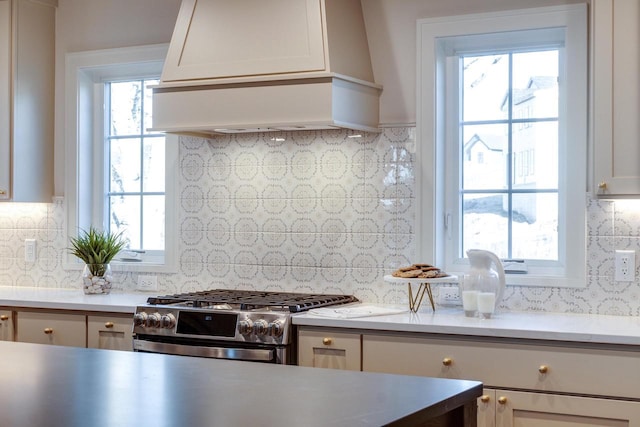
(97, 249)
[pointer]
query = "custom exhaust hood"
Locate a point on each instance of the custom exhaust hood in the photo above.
(267, 65)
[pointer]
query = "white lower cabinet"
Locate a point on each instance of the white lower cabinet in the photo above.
(6, 325)
(527, 383)
(508, 408)
(112, 332)
(57, 328)
(329, 348)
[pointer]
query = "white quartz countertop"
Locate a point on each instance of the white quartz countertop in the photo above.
(543, 326)
(70, 299)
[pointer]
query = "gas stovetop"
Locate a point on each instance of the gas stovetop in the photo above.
(251, 300)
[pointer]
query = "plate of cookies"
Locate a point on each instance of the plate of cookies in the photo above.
(421, 275)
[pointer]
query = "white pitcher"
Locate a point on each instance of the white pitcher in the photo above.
(485, 282)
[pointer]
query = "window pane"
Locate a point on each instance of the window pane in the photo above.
(485, 86)
(483, 156)
(153, 164)
(484, 223)
(153, 228)
(126, 107)
(125, 216)
(535, 156)
(535, 84)
(148, 104)
(535, 226)
(125, 165)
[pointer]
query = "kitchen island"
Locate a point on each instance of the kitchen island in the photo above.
(64, 386)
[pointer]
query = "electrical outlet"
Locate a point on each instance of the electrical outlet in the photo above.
(625, 266)
(448, 295)
(147, 283)
(30, 250)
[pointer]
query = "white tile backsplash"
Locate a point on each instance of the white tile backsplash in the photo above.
(318, 212)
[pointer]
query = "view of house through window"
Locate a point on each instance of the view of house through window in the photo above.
(135, 166)
(508, 135)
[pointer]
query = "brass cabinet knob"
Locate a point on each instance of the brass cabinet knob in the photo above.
(327, 341)
(447, 361)
(4, 317)
(502, 400)
(485, 398)
(3, 192)
(602, 185)
(48, 331)
(543, 369)
(108, 325)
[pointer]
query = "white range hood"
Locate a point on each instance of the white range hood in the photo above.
(267, 65)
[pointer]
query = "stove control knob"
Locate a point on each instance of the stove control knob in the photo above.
(261, 327)
(168, 321)
(153, 321)
(140, 319)
(276, 328)
(245, 327)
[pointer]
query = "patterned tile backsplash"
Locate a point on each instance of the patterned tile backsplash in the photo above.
(319, 211)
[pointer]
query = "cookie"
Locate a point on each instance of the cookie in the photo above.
(410, 274)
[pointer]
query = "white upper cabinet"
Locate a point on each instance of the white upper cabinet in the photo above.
(27, 48)
(616, 97)
(219, 39)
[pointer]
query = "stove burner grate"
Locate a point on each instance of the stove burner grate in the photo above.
(252, 300)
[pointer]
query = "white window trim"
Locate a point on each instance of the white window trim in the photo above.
(84, 78)
(430, 175)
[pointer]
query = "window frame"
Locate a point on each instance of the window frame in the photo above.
(434, 225)
(85, 75)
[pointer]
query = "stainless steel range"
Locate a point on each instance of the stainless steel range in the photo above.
(225, 324)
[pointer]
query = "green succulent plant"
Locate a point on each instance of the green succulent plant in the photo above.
(97, 248)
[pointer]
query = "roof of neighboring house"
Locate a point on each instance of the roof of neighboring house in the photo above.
(493, 143)
(535, 83)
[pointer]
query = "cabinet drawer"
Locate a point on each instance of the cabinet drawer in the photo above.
(6, 325)
(567, 368)
(51, 328)
(327, 348)
(110, 332)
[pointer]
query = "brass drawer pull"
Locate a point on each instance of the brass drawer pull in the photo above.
(502, 400)
(4, 317)
(485, 398)
(327, 341)
(48, 331)
(447, 361)
(543, 369)
(108, 325)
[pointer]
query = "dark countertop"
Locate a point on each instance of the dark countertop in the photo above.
(63, 386)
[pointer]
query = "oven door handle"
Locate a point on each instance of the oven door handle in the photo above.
(251, 354)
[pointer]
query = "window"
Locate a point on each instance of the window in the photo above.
(121, 175)
(502, 128)
(135, 165)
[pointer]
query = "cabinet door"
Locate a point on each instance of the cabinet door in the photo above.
(51, 328)
(5, 98)
(113, 332)
(326, 348)
(220, 39)
(616, 96)
(525, 409)
(487, 408)
(6, 326)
